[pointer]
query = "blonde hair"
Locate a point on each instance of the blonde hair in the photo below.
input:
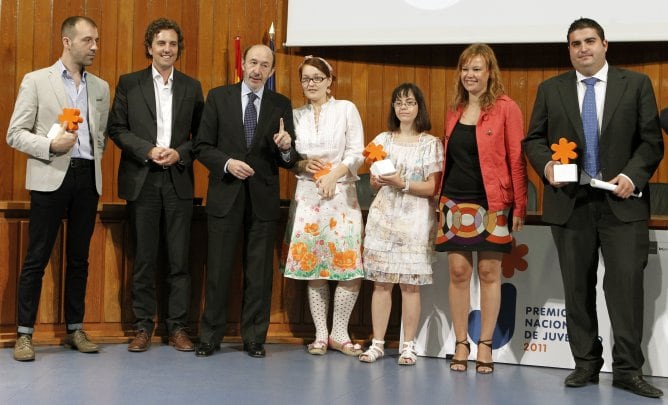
(494, 85)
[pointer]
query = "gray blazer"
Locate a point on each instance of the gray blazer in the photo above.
(41, 100)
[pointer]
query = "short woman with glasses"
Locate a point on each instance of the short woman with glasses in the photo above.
(401, 225)
(324, 234)
(483, 194)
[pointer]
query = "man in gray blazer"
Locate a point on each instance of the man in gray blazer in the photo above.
(619, 142)
(155, 115)
(63, 175)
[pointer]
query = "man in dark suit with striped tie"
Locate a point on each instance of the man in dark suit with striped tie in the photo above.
(244, 137)
(611, 115)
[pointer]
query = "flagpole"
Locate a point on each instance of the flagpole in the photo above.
(271, 82)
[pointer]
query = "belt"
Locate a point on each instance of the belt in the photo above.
(152, 167)
(78, 163)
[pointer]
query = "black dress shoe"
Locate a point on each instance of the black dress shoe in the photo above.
(205, 349)
(638, 386)
(581, 376)
(255, 349)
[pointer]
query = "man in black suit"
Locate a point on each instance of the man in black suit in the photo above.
(244, 137)
(625, 150)
(155, 115)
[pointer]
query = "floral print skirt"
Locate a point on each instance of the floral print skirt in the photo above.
(323, 238)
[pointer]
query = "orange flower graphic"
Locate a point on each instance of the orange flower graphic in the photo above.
(298, 250)
(308, 261)
(332, 247)
(345, 259)
(324, 273)
(332, 223)
(312, 229)
(514, 260)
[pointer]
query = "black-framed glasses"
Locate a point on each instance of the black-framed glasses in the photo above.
(314, 79)
(409, 103)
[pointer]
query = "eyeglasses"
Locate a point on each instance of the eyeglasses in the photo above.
(315, 79)
(409, 103)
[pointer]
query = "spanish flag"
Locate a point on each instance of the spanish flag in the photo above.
(237, 60)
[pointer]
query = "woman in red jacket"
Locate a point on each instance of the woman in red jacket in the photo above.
(483, 195)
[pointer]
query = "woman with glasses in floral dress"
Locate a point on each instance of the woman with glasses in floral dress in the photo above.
(401, 225)
(324, 234)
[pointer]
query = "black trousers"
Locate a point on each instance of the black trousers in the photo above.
(159, 207)
(225, 233)
(76, 199)
(625, 247)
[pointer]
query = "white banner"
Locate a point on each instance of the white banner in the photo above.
(532, 321)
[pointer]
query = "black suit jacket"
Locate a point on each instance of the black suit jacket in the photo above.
(630, 140)
(221, 137)
(133, 127)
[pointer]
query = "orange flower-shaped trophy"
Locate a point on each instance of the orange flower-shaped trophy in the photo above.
(564, 151)
(374, 153)
(71, 115)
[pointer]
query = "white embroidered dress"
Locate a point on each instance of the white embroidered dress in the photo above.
(324, 236)
(400, 228)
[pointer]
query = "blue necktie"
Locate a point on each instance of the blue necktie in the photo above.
(250, 118)
(590, 126)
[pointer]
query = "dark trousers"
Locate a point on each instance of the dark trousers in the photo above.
(625, 247)
(225, 233)
(158, 206)
(76, 199)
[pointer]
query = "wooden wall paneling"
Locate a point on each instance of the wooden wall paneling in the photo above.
(377, 102)
(8, 70)
(198, 255)
(534, 78)
(24, 64)
(188, 22)
(95, 286)
(43, 56)
(113, 268)
(203, 58)
(439, 91)
(106, 59)
(9, 235)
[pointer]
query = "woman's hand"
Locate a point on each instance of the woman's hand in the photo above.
(393, 180)
(312, 166)
(518, 224)
(327, 185)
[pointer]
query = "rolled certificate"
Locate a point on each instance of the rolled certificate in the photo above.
(604, 185)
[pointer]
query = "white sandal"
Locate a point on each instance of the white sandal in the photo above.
(374, 352)
(408, 355)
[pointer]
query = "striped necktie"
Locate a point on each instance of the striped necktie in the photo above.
(590, 126)
(250, 118)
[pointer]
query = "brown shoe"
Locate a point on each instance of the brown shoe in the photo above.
(180, 340)
(23, 350)
(140, 343)
(80, 341)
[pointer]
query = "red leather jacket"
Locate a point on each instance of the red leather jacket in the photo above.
(499, 134)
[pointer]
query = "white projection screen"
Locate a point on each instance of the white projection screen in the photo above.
(404, 22)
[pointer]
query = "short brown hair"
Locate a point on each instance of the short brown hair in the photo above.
(67, 28)
(154, 29)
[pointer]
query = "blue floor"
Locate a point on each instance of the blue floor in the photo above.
(287, 376)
